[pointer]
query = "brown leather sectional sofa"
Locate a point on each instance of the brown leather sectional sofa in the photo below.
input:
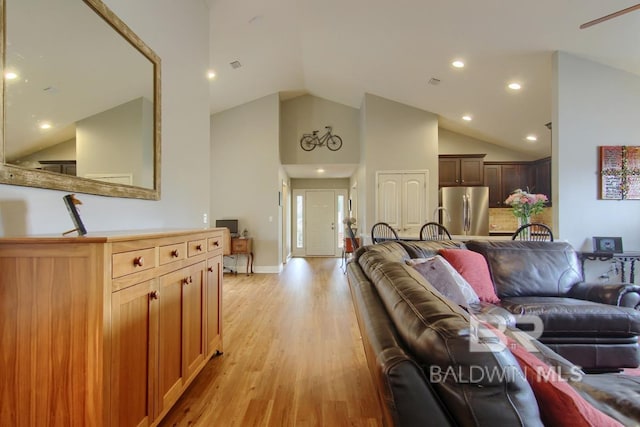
(584, 322)
(417, 344)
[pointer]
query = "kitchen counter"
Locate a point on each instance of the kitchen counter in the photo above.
(464, 238)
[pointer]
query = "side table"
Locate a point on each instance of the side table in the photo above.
(622, 258)
(243, 246)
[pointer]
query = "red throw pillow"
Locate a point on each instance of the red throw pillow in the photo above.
(473, 267)
(559, 403)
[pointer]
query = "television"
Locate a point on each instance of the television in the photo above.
(231, 224)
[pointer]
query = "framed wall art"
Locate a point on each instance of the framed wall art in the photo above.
(619, 172)
(607, 245)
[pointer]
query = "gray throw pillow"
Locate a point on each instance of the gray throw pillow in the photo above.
(442, 276)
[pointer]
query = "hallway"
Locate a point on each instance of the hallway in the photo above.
(292, 355)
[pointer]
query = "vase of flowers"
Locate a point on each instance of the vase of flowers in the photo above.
(524, 204)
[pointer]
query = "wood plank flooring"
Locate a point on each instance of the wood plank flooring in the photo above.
(293, 355)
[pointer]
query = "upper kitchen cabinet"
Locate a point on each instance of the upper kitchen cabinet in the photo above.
(456, 170)
(504, 177)
(541, 177)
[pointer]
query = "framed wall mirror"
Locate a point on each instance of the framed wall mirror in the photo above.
(80, 106)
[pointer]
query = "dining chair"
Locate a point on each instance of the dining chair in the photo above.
(382, 231)
(434, 231)
(533, 231)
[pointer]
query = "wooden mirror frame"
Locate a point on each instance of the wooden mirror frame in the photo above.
(16, 175)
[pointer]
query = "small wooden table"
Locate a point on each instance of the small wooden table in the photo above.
(243, 246)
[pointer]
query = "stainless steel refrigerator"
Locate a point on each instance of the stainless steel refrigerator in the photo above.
(466, 210)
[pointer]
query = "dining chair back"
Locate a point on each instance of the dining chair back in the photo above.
(434, 231)
(533, 231)
(382, 231)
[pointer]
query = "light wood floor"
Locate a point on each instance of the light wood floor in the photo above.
(293, 355)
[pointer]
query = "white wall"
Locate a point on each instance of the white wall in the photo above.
(593, 105)
(115, 142)
(454, 143)
(246, 177)
(307, 113)
(185, 134)
(396, 137)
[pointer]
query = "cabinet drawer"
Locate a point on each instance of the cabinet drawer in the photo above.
(197, 247)
(131, 262)
(214, 243)
(170, 253)
(239, 245)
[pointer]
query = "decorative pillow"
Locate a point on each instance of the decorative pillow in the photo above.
(558, 402)
(473, 267)
(438, 272)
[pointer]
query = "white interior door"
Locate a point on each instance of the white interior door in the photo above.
(414, 193)
(402, 200)
(390, 199)
(320, 223)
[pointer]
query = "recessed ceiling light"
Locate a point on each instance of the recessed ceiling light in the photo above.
(458, 64)
(532, 138)
(515, 86)
(466, 118)
(10, 75)
(320, 170)
(45, 125)
(211, 74)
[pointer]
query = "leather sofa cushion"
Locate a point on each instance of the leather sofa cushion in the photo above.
(437, 332)
(557, 400)
(526, 268)
(574, 318)
(392, 251)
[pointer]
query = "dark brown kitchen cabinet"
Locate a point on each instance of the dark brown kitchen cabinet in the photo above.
(456, 170)
(504, 177)
(541, 176)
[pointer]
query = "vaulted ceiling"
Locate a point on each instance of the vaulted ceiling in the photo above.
(341, 49)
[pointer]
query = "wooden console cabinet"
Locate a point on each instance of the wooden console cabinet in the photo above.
(106, 330)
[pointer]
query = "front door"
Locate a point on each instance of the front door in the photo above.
(320, 223)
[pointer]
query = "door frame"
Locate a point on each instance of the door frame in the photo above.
(339, 227)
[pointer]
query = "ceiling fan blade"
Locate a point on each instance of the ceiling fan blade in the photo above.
(610, 16)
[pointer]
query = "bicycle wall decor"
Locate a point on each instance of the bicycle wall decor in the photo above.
(309, 141)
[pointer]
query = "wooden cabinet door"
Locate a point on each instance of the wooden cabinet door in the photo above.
(493, 180)
(170, 338)
(213, 306)
(471, 171)
(511, 179)
(543, 178)
(193, 322)
(134, 317)
(448, 172)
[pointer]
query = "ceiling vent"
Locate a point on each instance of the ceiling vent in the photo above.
(235, 65)
(433, 81)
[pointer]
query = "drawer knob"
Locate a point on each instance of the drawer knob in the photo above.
(153, 295)
(175, 253)
(198, 247)
(187, 280)
(138, 261)
(210, 269)
(216, 243)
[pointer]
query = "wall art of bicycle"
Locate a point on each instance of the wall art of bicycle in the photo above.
(310, 141)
